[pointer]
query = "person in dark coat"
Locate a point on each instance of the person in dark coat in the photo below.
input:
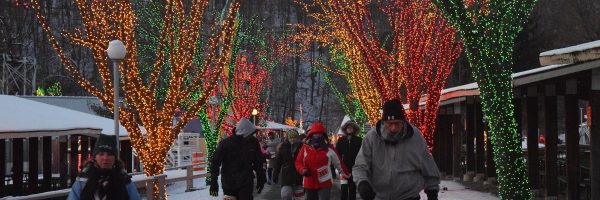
(348, 147)
(104, 177)
(237, 157)
(284, 169)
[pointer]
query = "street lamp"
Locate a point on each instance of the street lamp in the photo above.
(254, 113)
(116, 52)
(214, 101)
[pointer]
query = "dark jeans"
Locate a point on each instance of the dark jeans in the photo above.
(320, 194)
(349, 190)
(244, 193)
(270, 174)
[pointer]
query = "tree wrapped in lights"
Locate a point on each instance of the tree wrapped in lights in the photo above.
(346, 59)
(249, 84)
(107, 20)
(488, 29)
(414, 63)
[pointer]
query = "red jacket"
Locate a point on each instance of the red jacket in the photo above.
(318, 162)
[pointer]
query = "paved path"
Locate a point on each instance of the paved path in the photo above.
(271, 192)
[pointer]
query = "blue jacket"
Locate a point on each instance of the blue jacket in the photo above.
(80, 183)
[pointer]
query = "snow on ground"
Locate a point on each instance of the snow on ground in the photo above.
(455, 191)
(177, 191)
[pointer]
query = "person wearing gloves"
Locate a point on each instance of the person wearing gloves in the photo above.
(284, 170)
(393, 161)
(104, 177)
(237, 157)
(313, 163)
(348, 146)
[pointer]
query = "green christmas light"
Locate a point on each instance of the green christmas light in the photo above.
(488, 29)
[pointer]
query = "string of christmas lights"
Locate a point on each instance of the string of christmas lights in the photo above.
(103, 21)
(488, 29)
(423, 47)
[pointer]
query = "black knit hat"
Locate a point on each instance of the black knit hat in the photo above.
(393, 110)
(105, 143)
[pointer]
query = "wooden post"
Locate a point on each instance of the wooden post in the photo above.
(456, 144)
(489, 157)
(470, 121)
(2, 167)
(551, 121)
(63, 166)
(33, 165)
(74, 158)
(47, 163)
(437, 147)
(17, 166)
(479, 143)
(85, 145)
(189, 182)
(161, 185)
(595, 135)
(150, 188)
(532, 139)
(448, 143)
(125, 154)
(572, 137)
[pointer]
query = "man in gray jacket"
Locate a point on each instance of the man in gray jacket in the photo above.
(393, 162)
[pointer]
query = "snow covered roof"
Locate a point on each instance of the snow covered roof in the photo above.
(22, 118)
(277, 126)
(521, 78)
(571, 49)
(78, 103)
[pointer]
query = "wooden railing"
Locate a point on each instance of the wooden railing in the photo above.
(162, 180)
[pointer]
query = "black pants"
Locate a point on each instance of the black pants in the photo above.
(349, 190)
(270, 174)
(243, 193)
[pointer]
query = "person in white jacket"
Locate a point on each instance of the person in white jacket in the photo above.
(394, 162)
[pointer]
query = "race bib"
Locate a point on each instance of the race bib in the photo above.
(324, 174)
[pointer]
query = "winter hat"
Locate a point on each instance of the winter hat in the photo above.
(245, 128)
(393, 110)
(316, 128)
(354, 126)
(105, 143)
(292, 133)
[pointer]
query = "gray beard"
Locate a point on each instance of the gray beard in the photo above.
(391, 137)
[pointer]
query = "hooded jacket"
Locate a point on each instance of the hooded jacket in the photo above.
(348, 146)
(396, 171)
(237, 157)
(284, 167)
(318, 161)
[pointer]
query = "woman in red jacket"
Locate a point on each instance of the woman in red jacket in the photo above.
(313, 163)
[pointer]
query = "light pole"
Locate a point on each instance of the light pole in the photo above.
(254, 113)
(116, 52)
(214, 101)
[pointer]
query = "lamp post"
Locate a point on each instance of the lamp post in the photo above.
(116, 52)
(214, 101)
(254, 113)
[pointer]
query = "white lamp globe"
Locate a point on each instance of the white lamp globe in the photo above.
(116, 50)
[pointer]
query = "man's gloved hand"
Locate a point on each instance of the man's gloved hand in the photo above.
(432, 194)
(214, 187)
(365, 190)
(305, 172)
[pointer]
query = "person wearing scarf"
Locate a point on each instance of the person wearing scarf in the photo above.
(103, 177)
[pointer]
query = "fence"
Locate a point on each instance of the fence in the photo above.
(162, 180)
